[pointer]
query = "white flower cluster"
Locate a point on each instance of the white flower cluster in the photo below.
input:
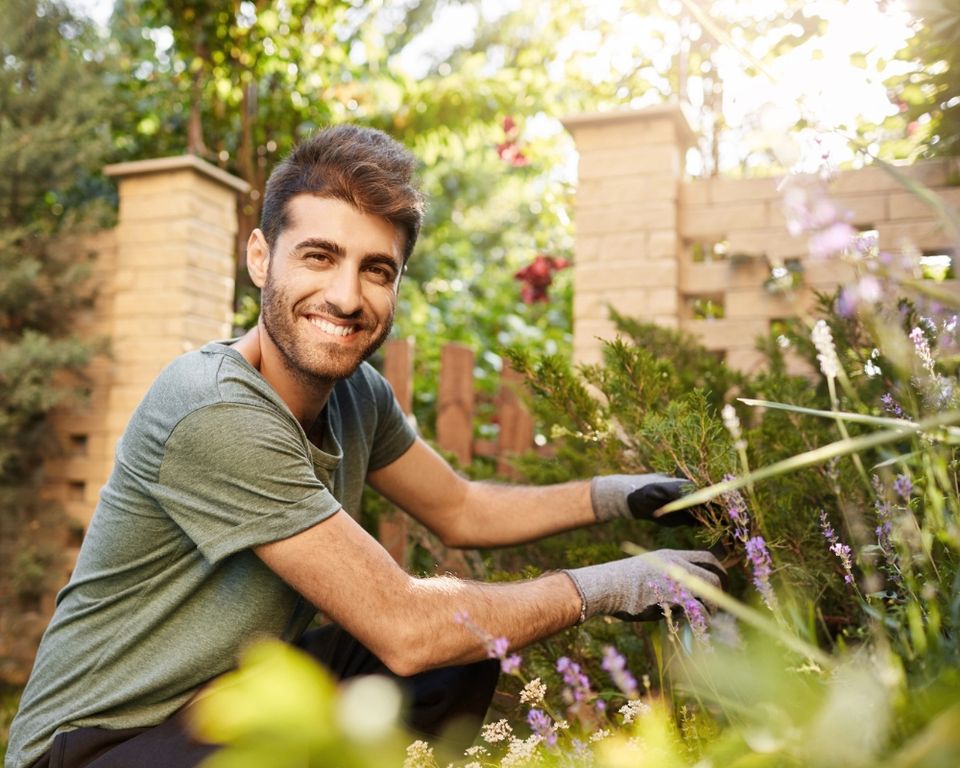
(498, 731)
(521, 751)
(419, 755)
(632, 710)
(533, 692)
(732, 422)
(826, 351)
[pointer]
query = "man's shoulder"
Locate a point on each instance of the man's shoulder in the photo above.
(213, 373)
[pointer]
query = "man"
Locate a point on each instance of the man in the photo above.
(224, 519)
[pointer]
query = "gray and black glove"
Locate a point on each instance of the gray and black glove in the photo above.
(638, 497)
(630, 589)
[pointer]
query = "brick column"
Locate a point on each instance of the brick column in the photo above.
(169, 288)
(627, 241)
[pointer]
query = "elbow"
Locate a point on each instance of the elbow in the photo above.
(453, 539)
(405, 656)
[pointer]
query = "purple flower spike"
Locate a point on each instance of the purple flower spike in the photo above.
(762, 565)
(838, 548)
(541, 724)
(510, 664)
(497, 647)
(578, 684)
(891, 406)
(616, 666)
(903, 487)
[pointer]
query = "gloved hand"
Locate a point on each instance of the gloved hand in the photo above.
(638, 497)
(630, 589)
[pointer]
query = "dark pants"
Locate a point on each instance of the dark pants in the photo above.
(451, 696)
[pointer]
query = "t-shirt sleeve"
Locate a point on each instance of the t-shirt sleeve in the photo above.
(394, 434)
(236, 476)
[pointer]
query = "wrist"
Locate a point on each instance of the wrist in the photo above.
(577, 603)
(609, 498)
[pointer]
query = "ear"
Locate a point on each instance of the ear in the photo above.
(258, 258)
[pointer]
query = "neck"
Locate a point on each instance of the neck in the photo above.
(305, 398)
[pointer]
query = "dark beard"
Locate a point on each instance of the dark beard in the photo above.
(316, 366)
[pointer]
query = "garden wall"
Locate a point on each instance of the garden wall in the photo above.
(699, 254)
(164, 280)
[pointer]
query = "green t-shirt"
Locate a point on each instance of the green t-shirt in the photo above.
(166, 589)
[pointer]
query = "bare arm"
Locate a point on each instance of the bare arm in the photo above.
(409, 622)
(466, 513)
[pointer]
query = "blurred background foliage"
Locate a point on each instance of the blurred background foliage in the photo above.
(476, 90)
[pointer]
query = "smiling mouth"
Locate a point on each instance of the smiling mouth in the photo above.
(333, 329)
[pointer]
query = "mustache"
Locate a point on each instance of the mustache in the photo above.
(333, 311)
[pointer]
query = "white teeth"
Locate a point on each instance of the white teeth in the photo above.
(335, 330)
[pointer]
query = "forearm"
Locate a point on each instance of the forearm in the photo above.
(497, 515)
(443, 620)
(410, 623)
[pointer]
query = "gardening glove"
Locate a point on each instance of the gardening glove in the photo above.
(638, 497)
(634, 588)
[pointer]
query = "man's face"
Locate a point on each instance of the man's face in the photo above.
(330, 291)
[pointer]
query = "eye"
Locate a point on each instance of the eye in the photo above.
(381, 273)
(318, 256)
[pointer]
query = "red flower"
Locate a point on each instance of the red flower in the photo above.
(538, 275)
(511, 153)
(508, 150)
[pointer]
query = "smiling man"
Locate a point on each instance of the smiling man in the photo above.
(229, 515)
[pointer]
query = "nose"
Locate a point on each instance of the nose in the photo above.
(344, 290)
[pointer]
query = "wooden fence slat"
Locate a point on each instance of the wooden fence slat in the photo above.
(516, 423)
(455, 402)
(398, 370)
(393, 528)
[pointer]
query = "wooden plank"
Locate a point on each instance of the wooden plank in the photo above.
(455, 402)
(393, 527)
(516, 424)
(398, 370)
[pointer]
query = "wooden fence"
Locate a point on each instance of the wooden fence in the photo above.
(457, 401)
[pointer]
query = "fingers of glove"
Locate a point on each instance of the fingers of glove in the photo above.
(608, 494)
(702, 564)
(650, 613)
(646, 500)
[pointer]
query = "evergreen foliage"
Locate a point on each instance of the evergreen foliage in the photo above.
(53, 109)
(658, 410)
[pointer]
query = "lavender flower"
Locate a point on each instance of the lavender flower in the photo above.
(578, 684)
(884, 517)
(497, 647)
(737, 512)
(838, 548)
(922, 347)
(903, 487)
(542, 725)
(669, 593)
(891, 406)
(834, 239)
(616, 666)
(762, 566)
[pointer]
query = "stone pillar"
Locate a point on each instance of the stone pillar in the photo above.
(169, 289)
(627, 239)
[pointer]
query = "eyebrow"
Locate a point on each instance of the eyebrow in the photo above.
(321, 244)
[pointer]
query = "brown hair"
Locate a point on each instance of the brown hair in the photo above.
(360, 166)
